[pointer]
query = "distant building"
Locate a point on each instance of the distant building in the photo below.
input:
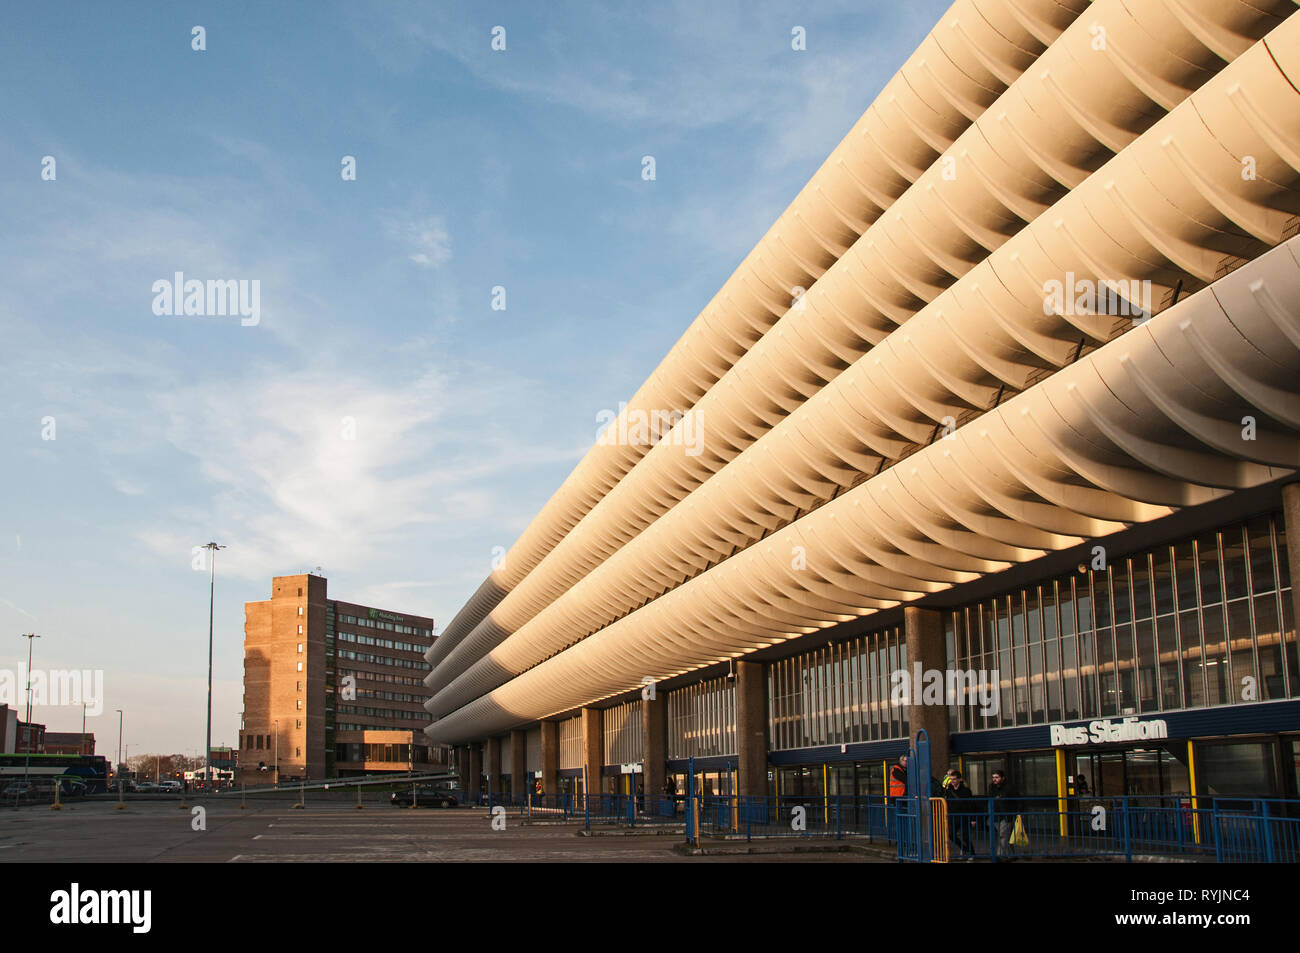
(31, 738)
(8, 730)
(332, 688)
(69, 742)
(224, 758)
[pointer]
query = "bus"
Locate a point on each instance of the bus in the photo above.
(81, 773)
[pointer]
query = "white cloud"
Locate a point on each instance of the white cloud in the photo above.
(425, 239)
(309, 466)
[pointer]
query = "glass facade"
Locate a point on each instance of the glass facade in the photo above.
(622, 730)
(838, 694)
(1203, 622)
(569, 733)
(845, 779)
(702, 719)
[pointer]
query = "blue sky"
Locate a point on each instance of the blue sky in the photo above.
(474, 169)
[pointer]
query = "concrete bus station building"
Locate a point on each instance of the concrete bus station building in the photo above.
(1003, 410)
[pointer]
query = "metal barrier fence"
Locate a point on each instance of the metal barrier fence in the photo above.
(869, 817)
(601, 809)
(1253, 830)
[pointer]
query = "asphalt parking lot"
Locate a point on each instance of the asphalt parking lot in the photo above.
(161, 831)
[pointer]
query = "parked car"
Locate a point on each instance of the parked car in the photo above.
(169, 787)
(429, 795)
(17, 789)
(148, 787)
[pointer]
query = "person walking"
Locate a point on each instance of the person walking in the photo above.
(1005, 806)
(956, 795)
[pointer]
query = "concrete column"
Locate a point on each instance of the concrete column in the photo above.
(751, 729)
(1291, 515)
(923, 634)
(494, 765)
(593, 747)
(654, 743)
(550, 758)
(519, 781)
(475, 770)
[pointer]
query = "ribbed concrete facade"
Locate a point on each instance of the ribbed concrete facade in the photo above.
(1044, 292)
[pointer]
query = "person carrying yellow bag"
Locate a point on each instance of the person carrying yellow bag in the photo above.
(1007, 821)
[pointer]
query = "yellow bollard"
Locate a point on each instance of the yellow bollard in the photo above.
(1062, 793)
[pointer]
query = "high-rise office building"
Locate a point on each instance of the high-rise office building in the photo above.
(331, 688)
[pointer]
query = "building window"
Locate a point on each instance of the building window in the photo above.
(300, 630)
(1184, 625)
(702, 719)
(298, 724)
(839, 694)
(300, 666)
(300, 590)
(622, 734)
(299, 644)
(300, 610)
(297, 752)
(300, 703)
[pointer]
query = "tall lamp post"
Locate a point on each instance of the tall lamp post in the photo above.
(119, 750)
(31, 638)
(277, 753)
(212, 583)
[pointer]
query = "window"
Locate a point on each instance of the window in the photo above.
(297, 752)
(1182, 625)
(300, 686)
(300, 590)
(300, 703)
(300, 630)
(299, 644)
(300, 610)
(298, 724)
(300, 666)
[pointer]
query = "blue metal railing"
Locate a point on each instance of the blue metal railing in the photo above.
(1254, 830)
(1249, 830)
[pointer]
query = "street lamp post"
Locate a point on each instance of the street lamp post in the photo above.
(212, 583)
(119, 750)
(31, 638)
(277, 752)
